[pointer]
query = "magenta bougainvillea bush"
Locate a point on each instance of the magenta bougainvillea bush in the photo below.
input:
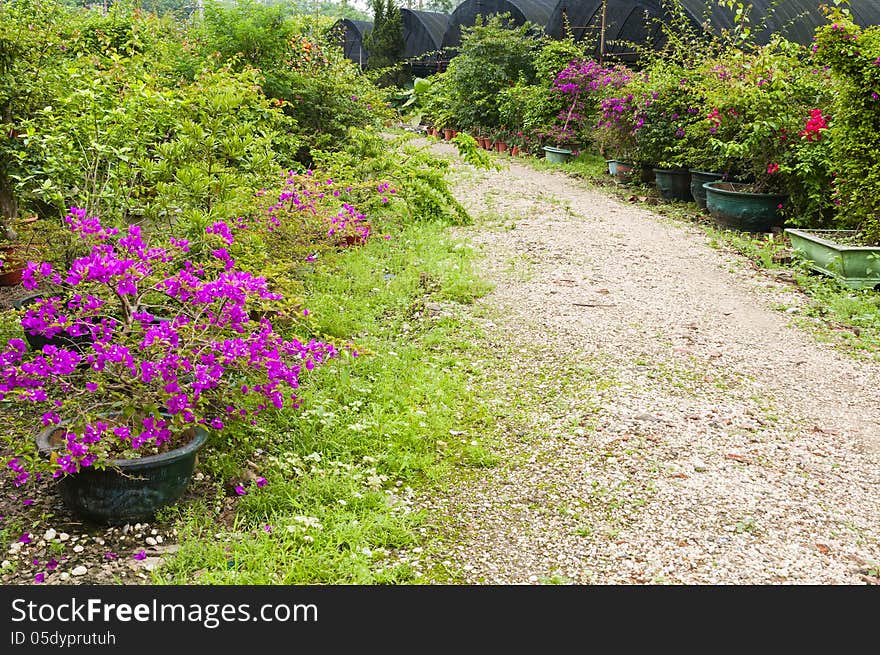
(140, 339)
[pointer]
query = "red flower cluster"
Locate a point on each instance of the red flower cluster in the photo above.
(815, 124)
(772, 169)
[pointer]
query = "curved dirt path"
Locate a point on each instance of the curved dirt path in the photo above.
(674, 427)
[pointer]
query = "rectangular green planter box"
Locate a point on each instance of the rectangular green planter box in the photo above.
(857, 267)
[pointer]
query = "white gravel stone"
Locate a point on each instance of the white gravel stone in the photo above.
(707, 415)
(79, 571)
(50, 534)
(63, 536)
(151, 541)
(78, 549)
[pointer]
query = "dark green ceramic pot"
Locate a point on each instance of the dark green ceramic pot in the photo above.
(734, 208)
(128, 489)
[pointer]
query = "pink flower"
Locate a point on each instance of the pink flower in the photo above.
(262, 482)
(39, 578)
(241, 491)
(112, 556)
(773, 168)
(140, 555)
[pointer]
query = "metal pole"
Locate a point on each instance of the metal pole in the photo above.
(602, 33)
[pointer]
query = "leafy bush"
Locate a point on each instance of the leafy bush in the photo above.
(321, 90)
(854, 56)
(665, 104)
(494, 55)
(419, 179)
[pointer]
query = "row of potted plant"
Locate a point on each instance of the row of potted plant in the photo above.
(787, 129)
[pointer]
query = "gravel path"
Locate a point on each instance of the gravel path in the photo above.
(692, 435)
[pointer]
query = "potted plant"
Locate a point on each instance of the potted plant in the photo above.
(584, 83)
(850, 250)
(11, 265)
(615, 134)
(499, 139)
(517, 142)
(172, 356)
(666, 104)
(16, 246)
(766, 108)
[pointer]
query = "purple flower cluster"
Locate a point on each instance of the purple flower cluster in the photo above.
(190, 360)
(305, 193)
(585, 75)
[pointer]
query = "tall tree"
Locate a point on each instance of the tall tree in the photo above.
(385, 42)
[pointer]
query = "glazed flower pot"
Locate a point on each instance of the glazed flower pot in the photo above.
(612, 166)
(732, 206)
(624, 171)
(13, 266)
(500, 146)
(698, 179)
(11, 277)
(448, 134)
(557, 155)
(128, 489)
(514, 151)
(673, 183)
(79, 342)
(835, 253)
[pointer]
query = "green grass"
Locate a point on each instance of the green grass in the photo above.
(342, 470)
(586, 165)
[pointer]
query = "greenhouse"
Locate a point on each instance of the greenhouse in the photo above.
(627, 22)
(423, 37)
(289, 303)
(353, 33)
(534, 11)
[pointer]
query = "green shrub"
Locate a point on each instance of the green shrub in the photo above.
(494, 55)
(854, 56)
(315, 85)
